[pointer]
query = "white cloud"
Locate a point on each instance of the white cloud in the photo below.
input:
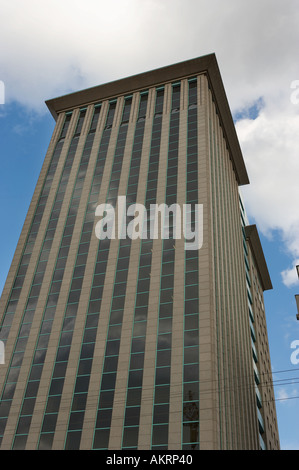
(51, 48)
(270, 145)
(283, 395)
(290, 276)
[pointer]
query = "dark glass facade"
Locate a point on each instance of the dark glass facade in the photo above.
(103, 335)
(162, 387)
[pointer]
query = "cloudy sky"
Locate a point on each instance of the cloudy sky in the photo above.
(52, 47)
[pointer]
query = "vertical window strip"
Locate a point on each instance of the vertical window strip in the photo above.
(230, 301)
(134, 393)
(256, 379)
(160, 422)
(104, 414)
(231, 427)
(190, 417)
(222, 385)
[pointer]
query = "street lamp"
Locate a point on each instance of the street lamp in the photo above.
(297, 296)
(297, 267)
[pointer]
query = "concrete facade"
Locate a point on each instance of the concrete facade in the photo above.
(41, 399)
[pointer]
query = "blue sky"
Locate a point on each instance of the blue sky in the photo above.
(44, 55)
(282, 331)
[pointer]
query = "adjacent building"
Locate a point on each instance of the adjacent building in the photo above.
(135, 342)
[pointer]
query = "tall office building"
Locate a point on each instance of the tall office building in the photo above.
(129, 340)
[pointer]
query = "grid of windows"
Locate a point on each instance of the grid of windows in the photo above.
(73, 318)
(29, 244)
(134, 385)
(66, 334)
(249, 286)
(77, 412)
(54, 291)
(28, 314)
(163, 354)
(104, 245)
(164, 334)
(32, 386)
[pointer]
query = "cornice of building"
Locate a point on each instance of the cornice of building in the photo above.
(206, 64)
(253, 239)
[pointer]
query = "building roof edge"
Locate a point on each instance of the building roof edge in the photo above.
(253, 238)
(205, 64)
